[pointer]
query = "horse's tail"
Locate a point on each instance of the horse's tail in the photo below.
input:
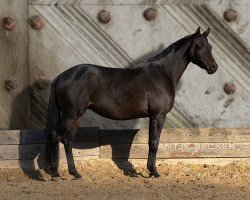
(51, 122)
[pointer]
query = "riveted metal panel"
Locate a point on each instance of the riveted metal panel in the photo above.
(72, 34)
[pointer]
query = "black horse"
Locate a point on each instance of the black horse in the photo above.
(147, 90)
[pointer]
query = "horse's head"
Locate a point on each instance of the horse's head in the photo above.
(201, 52)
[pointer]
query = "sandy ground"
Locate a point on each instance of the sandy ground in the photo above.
(104, 179)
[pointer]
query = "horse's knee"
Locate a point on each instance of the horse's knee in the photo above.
(153, 146)
(67, 144)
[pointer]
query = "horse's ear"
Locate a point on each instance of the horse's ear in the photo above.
(198, 31)
(205, 34)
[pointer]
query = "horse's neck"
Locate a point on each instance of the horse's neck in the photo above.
(177, 61)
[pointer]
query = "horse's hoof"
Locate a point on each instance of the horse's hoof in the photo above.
(154, 174)
(55, 175)
(76, 175)
(134, 175)
(131, 174)
(56, 178)
(78, 178)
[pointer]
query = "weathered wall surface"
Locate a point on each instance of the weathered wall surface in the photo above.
(14, 95)
(72, 34)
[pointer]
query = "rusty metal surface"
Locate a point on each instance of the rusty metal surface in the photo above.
(230, 15)
(8, 23)
(150, 14)
(104, 16)
(11, 84)
(36, 22)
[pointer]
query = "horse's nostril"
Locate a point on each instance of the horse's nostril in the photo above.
(214, 66)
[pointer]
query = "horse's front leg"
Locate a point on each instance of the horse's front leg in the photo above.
(155, 128)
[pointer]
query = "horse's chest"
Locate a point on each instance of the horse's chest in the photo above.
(161, 102)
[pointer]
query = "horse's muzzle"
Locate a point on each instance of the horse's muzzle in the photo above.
(213, 68)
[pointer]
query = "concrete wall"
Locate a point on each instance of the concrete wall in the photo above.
(14, 71)
(72, 34)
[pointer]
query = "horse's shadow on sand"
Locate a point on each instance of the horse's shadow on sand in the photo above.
(120, 142)
(88, 139)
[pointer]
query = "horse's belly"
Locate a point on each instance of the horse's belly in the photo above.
(116, 111)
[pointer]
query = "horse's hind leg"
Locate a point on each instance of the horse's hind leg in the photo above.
(69, 128)
(54, 158)
(70, 159)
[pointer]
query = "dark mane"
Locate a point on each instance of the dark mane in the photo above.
(173, 47)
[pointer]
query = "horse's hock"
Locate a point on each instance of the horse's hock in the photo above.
(41, 38)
